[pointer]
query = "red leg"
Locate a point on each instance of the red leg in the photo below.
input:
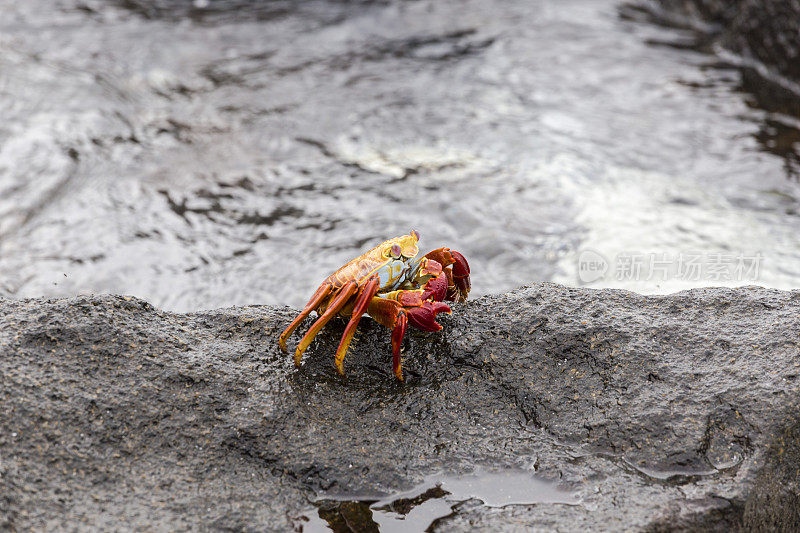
(367, 292)
(322, 292)
(336, 305)
(390, 314)
(398, 333)
(407, 309)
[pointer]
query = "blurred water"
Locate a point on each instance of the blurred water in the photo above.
(211, 153)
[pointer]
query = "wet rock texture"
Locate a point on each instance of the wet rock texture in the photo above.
(657, 412)
(767, 31)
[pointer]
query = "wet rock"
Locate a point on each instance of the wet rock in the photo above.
(774, 502)
(653, 412)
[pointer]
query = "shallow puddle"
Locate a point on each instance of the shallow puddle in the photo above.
(423, 506)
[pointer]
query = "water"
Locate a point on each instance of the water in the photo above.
(438, 497)
(206, 154)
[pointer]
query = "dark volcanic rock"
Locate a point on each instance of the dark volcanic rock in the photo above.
(656, 412)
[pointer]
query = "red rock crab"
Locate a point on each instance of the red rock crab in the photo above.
(393, 286)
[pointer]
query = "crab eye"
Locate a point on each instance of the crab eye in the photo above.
(415, 233)
(396, 251)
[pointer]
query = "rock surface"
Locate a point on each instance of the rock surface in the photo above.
(655, 412)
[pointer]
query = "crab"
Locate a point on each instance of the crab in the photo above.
(393, 286)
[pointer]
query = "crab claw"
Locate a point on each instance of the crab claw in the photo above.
(424, 316)
(456, 269)
(436, 289)
(461, 274)
(430, 268)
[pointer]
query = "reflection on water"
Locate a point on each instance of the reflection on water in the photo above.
(779, 132)
(431, 503)
(209, 153)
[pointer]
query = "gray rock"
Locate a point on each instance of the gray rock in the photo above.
(654, 412)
